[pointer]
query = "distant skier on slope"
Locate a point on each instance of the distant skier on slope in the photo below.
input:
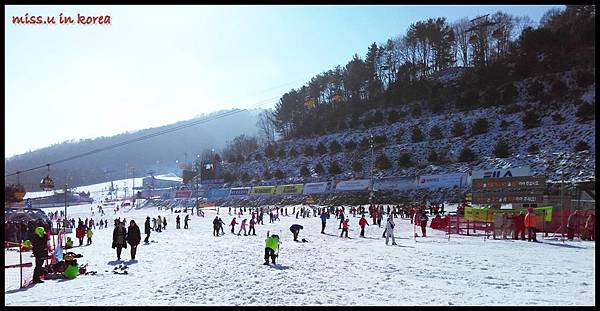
(147, 229)
(119, 238)
(178, 222)
(232, 224)
(216, 226)
(324, 217)
(243, 227)
(345, 228)
(389, 230)
(295, 229)
(186, 221)
(362, 222)
(221, 224)
(133, 237)
(252, 231)
(423, 222)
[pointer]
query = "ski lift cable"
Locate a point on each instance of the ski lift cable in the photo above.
(166, 131)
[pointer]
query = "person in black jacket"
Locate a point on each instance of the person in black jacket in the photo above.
(147, 229)
(295, 229)
(39, 243)
(133, 237)
(216, 226)
(119, 238)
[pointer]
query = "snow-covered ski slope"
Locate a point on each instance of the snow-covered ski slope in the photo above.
(192, 267)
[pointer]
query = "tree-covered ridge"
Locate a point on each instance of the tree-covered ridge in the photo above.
(493, 50)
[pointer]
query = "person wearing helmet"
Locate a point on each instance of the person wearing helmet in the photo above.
(271, 245)
(39, 243)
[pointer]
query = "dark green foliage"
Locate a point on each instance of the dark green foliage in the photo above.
(480, 126)
(558, 88)
(308, 151)
(258, 157)
(531, 119)
(585, 112)
(321, 149)
(433, 157)
(467, 155)
(508, 94)
(270, 151)
(304, 172)
(581, 146)
(393, 116)
(245, 177)
(382, 162)
(436, 133)
(501, 149)
(533, 149)
(405, 160)
(558, 118)
(416, 111)
(267, 175)
(342, 125)
(458, 129)
(334, 168)
(364, 143)
(293, 153)
(319, 169)
(281, 153)
(279, 174)
(335, 147)
(416, 134)
(379, 139)
(585, 78)
(535, 90)
(350, 145)
(400, 136)
(356, 166)
(504, 124)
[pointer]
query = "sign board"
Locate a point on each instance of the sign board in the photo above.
(506, 197)
(263, 190)
(289, 189)
(317, 187)
(217, 193)
(501, 172)
(353, 185)
(509, 183)
(395, 183)
(179, 194)
(479, 214)
(441, 181)
(242, 191)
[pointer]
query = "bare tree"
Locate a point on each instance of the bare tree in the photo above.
(266, 125)
(462, 39)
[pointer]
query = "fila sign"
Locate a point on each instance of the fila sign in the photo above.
(501, 173)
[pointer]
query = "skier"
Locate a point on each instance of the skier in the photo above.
(412, 213)
(185, 221)
(232, 224)
(243, 227)
(39, 242)
(216, 226)
(389, 230)
(153, 223)
(324, 217)
(345, 228)
(221, 223)
(159, 224)
(178, 222)
(252, 224)
(362, 222)
(119, 238)
(271, 246)
(374, 215)
(147, 229)
(341, 220)
(423, 222)
(379, 216)
(164, 222)
(133, 237)
(295, 229)
(89, 235)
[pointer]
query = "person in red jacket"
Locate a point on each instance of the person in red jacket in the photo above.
(344, 227)
(531, 223)
(362, 222)
(374, 215)
(412, 212)
(232, 224)
(80, 232)
(519, 226)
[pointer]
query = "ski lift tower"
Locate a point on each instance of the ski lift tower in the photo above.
(478, 38)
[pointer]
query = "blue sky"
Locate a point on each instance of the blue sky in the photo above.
(155, 65)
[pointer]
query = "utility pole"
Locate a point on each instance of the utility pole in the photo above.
(562, 206)
(66, 202)
(133, 181)
(372, 164)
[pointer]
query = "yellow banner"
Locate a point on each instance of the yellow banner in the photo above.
(289, 189)
(263, 190)
(479, 214)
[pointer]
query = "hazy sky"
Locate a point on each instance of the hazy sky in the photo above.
(155, 65)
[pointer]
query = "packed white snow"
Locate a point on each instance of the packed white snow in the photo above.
(193, 267)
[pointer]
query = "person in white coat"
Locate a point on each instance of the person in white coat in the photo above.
(389, 231)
